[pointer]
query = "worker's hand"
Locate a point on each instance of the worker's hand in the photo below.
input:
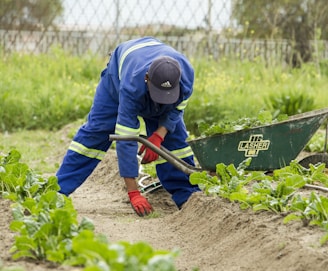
(139, 203)
(150, 155)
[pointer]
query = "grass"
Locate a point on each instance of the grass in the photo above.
(46, 91)
(42, 150)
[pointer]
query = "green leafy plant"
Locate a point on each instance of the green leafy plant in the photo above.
(47, 230)
(17, 177)
(47, 227)
(311, 210)
(263, 118)
(316, 143)
(227, 180)
(18, 181)
(291, 103)
(96, 252)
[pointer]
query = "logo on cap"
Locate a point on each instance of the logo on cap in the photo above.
(166, 84)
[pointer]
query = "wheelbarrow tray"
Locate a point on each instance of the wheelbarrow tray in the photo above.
(270, 147)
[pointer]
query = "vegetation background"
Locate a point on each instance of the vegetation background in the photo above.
(274, 59)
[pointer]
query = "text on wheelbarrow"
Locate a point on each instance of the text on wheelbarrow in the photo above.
(254, 145)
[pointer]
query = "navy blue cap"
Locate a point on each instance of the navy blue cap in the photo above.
(164, 80)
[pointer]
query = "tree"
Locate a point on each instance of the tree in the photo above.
(298, 21)
(29, 14)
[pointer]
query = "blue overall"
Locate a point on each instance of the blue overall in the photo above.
(121, 98)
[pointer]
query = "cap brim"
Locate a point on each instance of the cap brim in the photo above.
(163, 96)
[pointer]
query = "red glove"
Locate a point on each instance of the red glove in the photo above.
(150, 155)
(139, 203)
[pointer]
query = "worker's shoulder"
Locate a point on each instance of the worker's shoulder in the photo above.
(139, 41)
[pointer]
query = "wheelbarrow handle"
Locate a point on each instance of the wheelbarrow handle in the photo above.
(162, 151)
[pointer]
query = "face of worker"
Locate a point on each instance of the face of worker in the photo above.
(147, 81)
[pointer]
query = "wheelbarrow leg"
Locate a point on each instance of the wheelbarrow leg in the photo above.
(317, 157)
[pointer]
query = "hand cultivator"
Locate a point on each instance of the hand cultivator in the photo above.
(270, 147)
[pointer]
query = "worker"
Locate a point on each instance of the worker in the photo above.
(144, 78)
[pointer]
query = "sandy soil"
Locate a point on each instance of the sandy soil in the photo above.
(211, 234)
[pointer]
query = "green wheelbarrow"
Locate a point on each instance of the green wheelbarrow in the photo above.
(270, 147)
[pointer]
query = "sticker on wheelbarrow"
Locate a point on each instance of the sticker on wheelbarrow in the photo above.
(253, 145)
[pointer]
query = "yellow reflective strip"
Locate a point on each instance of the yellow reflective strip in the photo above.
(182, 105)
(124, 130)
(180, 153)
(83, 150)
(131, 49)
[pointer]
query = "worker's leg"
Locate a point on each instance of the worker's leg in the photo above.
(90, 143)
(173, 180)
